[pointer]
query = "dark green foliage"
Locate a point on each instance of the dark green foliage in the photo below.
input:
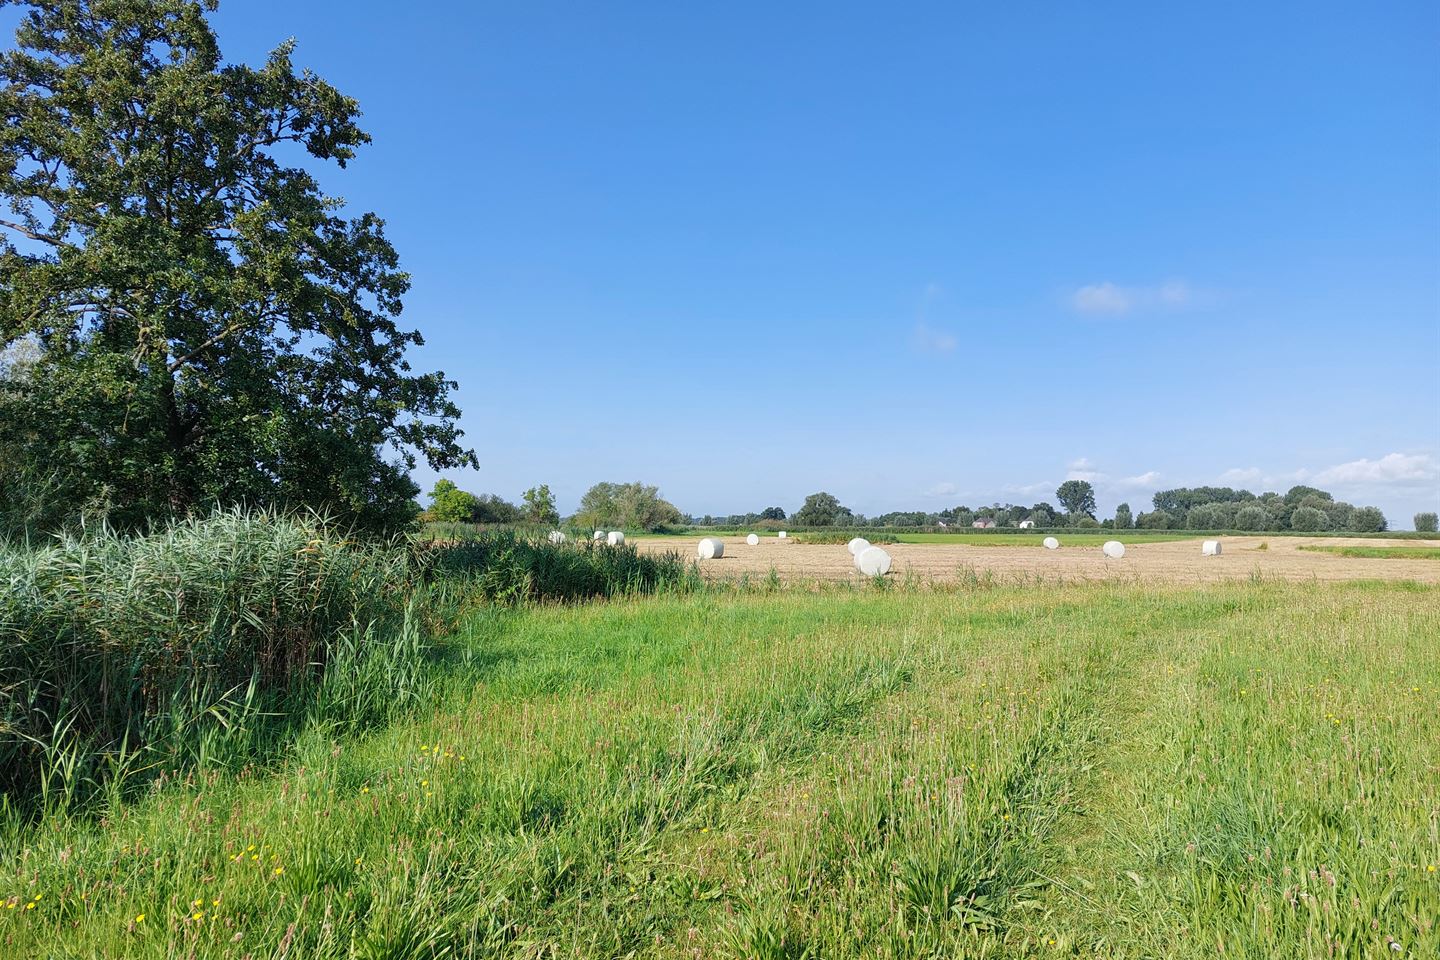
(626, 506)
(1221, 508)
(540, 506)
(1426, 522)
(772, 513)
(504, 567)
(1219, 515)
(1252, 516)
(1178, 502)
(1155, 520)
(1124, 520)
(1077, 497)
(1309, 520)
(450, 504)
(822, 510)
(1366, 520)
(208, 328)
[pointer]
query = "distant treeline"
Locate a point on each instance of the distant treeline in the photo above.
(636, 506)
(1301, 509)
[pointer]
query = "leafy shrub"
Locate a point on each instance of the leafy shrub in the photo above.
(1251, 517)
(1365, 520)
(1154, 520)
(1309, 519)
(502, 566)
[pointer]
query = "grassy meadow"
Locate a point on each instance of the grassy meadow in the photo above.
(1240, 770)
(1380, 553)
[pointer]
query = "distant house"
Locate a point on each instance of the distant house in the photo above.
(1026, 524)
(984, 523)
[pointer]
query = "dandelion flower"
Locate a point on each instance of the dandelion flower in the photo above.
(198, 915)
(139, 918)
(279, 870)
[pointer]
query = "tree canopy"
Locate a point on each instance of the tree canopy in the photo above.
(821, 510)
(540, 505)
(627, 506)
(1077, 497)
(209, 326)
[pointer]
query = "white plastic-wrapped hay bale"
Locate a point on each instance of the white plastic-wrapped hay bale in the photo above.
(711, 548)
(615, 538)
(557, 537)
(873, 562)
(784, 535)
(1210, 548)
(599, 535)
(1114, 549)
(753, 540)
(857, 545)
(1051, 543)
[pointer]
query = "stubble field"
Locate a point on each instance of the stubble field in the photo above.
(1146, 560)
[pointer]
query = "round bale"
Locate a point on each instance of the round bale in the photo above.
(1114, 549)
(1210, 548)
(753, 540)
(1051, 543)
(856, 545)
(712, 548)
(556, 536)
(599, 535)
(873, 562)
(615, 538)
(783, 535)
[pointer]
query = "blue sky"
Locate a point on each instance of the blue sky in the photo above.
(915, 257)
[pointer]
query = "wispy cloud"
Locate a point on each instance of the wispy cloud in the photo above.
(1083, 469)
(945, 489)
(1390, 471)
(1393, 469)
(1147, 479)
(927, 339)
(1243, 476)
(1112, 299)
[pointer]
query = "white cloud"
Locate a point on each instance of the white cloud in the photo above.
(944, 489)
(1242, 476)
(1083, 469)
(1147, 479)
(1393, 469)
(928, 339)
(1102, 298)
(1030, 489)
(1115, 300)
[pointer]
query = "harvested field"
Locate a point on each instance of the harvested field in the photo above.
(1178, 561)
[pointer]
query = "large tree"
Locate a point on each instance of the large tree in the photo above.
(822, 510)
(211, 327)
(628, 506)
(1077, 497)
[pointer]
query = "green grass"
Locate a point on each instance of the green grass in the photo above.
(1381, 553)
(1114, 770)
